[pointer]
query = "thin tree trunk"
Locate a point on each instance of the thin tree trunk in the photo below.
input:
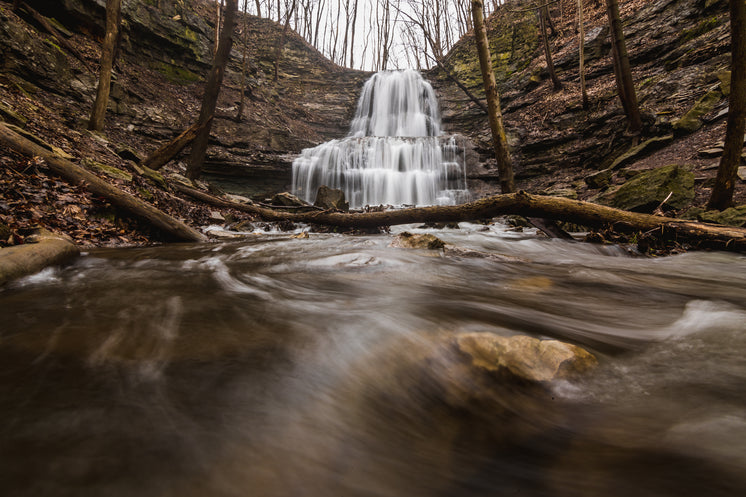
(281, 42)
(258, 9)
(543, 16)
(581, 35)
(499, 140)
(352, 41)
(107, 61)
(725, 182)
(218, 19)
(76, 175)
(244, 62)
(624, 76)
(212, 91)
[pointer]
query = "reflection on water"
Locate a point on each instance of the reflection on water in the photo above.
(282, 367)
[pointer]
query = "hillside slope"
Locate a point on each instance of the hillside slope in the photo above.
(679, 51)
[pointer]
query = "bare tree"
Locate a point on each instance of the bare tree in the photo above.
(212, 91)
(244, 60)
(283, 37)
(622, 70)
(581, 37)
(499, 140)
(543, 20)
(113, 20)
(722, 193)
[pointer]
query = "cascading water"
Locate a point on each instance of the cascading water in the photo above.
(394, 154)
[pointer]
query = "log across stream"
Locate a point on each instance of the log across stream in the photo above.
(324, 366)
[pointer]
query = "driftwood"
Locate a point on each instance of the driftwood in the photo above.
(22, 260)
(164, 154)
(521, 203)
(77, 175)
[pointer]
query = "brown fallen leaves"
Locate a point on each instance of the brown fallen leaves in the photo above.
(29, 198)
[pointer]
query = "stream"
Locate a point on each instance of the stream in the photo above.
(275, 366)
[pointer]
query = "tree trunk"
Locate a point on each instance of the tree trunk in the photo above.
(722, 192)
(281, 42)
(164, 154)
(212, 90)
(499, 140)
(581, 36)
(46, 249)
(107, 61)
(623, 71)
(543, 16)
(258, 9)
(521, 203)
(244, 62)
(76, 175)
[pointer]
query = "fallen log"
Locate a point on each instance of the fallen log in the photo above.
(48, 249)
(521, 203)
(77, 175)
(164, 154)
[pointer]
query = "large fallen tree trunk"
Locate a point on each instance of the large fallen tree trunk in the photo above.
(48, 249)
(521, 203)
(77, 175)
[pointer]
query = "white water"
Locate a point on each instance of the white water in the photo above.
(394, 154)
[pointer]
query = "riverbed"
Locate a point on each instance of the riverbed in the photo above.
(278, 366)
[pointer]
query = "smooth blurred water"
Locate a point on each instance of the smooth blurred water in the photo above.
(274, 366)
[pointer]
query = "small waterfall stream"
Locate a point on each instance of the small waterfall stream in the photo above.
(394, 154)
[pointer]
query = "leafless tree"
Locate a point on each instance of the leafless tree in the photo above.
(212, 91)
(622, 70)
(108, 49)
(499, 140)
(722, 193)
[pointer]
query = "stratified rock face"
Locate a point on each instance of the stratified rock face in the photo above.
(525, 358)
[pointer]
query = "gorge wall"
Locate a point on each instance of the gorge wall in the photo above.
(679, 52)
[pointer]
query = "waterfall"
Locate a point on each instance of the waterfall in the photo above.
(394, 153)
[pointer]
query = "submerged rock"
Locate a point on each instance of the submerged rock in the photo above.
(417, 241)
(524, 358)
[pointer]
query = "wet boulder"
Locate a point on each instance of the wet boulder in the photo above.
(524, 358)
(417, 241)
(331, 199)
(286, 199)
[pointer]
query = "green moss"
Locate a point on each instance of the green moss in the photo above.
(691, 121)
(175, 73)
(647, 190)
(700, 29)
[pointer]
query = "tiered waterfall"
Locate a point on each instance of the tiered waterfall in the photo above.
(394, 154)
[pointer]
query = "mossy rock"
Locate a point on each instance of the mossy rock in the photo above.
(647, 190)
(691, 121)
(734, 216)
(109, 171)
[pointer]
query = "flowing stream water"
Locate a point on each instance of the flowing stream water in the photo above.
(274, 366)
(394, 153)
